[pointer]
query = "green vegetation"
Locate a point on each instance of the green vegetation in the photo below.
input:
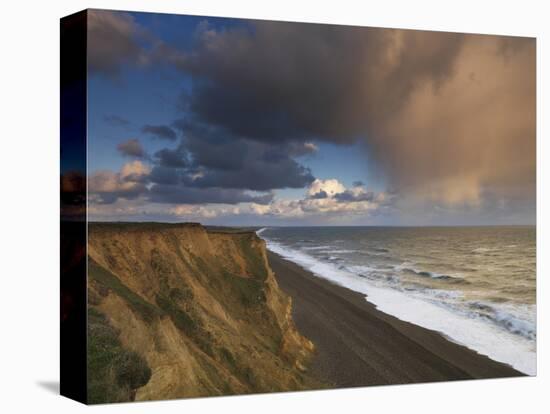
(249, 292)
(143, 308)
(184, 294)
(180, 318)
(238, 293)
(132, 370)
(164, 272)
(114, 373)
(188, 324)
(244, 372)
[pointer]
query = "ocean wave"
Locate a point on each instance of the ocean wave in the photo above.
(505, 318)
(516, 325)
(402, 266)
(376, 251)
(435, 309)
(484, 250)
(333, 258)
(366, 270)
(316, 248)
(433, 275)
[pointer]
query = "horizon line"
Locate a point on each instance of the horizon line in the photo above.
(315, 225)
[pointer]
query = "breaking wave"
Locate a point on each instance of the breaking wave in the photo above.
(496, 332)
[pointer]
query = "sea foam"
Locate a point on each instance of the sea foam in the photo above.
(466, 329)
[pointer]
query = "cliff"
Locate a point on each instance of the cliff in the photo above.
(178, 311)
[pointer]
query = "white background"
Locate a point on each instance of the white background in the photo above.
(29, 177)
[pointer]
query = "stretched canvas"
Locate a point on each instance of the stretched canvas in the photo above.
(261, 206)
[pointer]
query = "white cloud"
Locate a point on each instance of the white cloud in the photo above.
(329, 199)
(260, 209)
(187, 210)
(194, 211)
(105, 181)
(134, 169)
(331, 187)
(336, 199)
(332, 205)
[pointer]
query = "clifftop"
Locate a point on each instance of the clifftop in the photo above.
(199, 309)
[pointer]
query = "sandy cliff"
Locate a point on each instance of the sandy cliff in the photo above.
(178, 311)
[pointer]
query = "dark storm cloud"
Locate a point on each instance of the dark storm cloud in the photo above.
(165, 175)
(210, 156)
(358, 184)
(291, 149)
(116, 120)
(174, 194)
(258, 176)
(207, 166)
(319, 195)
(447, 117)
(172, 158)
(225, 160)
(161, 185)
(160, 131)
(212, 147)
(444, 115)
(131, 148)
(289, 81)
(349, 196)
(112, 42)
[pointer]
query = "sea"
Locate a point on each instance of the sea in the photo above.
(474, 285)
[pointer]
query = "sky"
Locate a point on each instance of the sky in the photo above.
(246, 122)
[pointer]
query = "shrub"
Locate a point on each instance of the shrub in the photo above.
(114, 373)
(132, 370)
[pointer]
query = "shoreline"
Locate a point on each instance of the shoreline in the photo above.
(358, 345)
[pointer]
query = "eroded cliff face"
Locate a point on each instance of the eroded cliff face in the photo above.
(201, 310)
